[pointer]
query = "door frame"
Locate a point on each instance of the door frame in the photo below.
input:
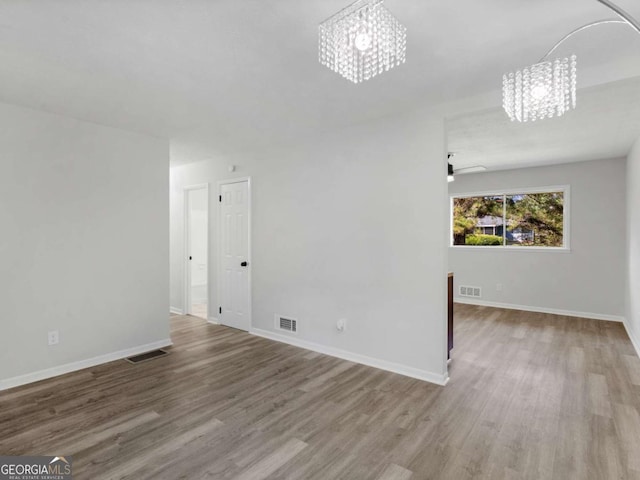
(249, 248)
(187, 240)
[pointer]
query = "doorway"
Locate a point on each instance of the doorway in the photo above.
(197, 250)
(234, 285)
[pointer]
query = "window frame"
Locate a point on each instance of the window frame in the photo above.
(566, 216)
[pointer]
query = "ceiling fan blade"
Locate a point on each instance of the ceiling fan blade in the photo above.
(472, 169)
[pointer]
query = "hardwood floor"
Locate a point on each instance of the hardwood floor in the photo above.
(531, 396)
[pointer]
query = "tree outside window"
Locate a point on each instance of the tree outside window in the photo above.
(518, 220)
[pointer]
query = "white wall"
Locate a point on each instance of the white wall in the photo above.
(590, 278)
(348, 226)
(633, 246)
(84, 242)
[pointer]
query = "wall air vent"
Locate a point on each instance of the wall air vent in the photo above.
(286, 324)
(474, 292)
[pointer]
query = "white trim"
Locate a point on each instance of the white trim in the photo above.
(566, 218)
(81, 364)
(177, 311)
(509, 248)
(249, 245)
(634, 341)
(187, 269)
(438, 379)
(213, 321)
(512, 191)
(553, 311)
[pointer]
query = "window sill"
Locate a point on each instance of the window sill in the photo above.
(511, 249)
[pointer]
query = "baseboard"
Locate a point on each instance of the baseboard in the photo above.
(634, 340)
(213, 321)
(356, 358)
(177, 311)
(80, 365)
(554, 311)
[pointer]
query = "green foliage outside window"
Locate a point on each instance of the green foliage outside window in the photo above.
(483, 240)
(532, 219)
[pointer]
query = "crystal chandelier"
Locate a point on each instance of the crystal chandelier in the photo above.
(362, 41)
(548, 89)
(543, 90)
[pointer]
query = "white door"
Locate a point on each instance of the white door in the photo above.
(234, 246)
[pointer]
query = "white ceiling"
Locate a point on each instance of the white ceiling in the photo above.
(224, 76)
(605, 124)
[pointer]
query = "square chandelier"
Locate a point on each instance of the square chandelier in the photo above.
(543, 90)
(362, 41)
(548, 89)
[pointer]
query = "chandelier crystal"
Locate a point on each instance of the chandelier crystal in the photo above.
(543, 90)
(362, 41)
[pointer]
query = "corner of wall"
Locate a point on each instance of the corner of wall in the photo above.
(632, 281)
(635, 341)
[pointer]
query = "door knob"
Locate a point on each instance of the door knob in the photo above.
(190, 257)
(244, 264)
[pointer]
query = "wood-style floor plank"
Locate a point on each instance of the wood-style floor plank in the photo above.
(531, 396)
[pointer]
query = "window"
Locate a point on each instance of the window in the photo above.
(517, 219)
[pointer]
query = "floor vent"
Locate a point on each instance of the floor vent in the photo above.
(143, 357)
(286, 324)
(475, 292)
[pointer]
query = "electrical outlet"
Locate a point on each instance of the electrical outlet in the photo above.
(53, 337)
(498, 287)
(341, 324)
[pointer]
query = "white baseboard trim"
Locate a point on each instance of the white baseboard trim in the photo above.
(355, 357)
(634, 341)
(80, 365)
(213, 321)
(554, 311)
(177, 311)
